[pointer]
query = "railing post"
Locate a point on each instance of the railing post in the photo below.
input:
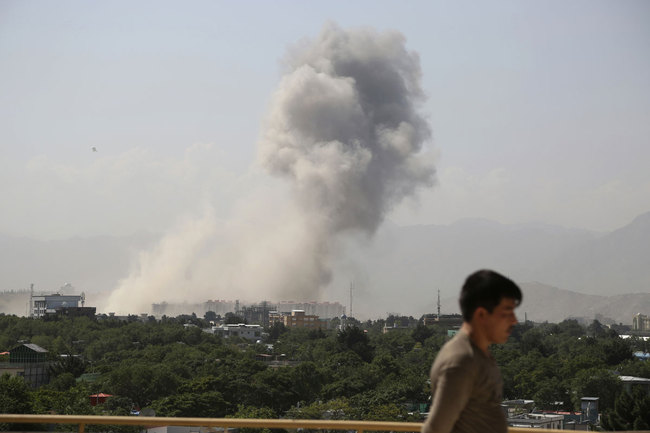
(81, 427)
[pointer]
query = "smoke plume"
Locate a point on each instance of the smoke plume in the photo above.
(344, 129)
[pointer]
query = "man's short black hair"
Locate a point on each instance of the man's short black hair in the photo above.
(486, 288)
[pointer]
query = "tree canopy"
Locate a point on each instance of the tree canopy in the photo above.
(358, 372)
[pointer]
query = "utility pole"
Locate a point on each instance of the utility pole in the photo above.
(438, 304)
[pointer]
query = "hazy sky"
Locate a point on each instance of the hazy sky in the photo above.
(540, 110)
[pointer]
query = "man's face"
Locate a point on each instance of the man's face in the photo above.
(499, 323)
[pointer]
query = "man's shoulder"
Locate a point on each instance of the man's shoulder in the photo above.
(456, 352)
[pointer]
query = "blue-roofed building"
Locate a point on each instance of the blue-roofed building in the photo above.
(643, 356)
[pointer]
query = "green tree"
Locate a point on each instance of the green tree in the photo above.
(275, 331)
(210, 316)
(62, 382)
(14, 398)
(421, 332)
(72, 401)
(615, 350)
(209, 404)
(14, 395)
(142, 383)
(335, 409)
(631, 412)
(68, 363)
(233, 318)
(355, 339)
(254, 412)
(596, 382)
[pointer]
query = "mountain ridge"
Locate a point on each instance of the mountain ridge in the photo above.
(402, 268)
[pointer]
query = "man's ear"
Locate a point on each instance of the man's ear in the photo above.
(480, 313)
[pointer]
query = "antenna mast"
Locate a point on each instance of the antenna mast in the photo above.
(351, 288)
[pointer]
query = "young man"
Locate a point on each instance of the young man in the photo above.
(466, 384)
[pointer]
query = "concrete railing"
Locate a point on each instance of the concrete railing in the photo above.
(359, 426)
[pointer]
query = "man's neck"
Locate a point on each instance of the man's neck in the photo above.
(479, 339)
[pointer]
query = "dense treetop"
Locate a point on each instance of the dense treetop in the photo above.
(177, 369)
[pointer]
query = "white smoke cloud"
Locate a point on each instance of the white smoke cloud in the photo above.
(344, 129)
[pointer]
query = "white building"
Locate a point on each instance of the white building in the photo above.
(640, 322)
(249, 332)
(48, 304)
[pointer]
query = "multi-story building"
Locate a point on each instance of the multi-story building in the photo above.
(256, 313)
(49, 304)
(219, 306)
(640, 322)
(296, 319)
(327, 310)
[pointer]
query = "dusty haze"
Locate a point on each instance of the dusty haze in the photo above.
(344, 130)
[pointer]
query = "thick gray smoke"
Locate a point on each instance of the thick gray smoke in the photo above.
(344, 128)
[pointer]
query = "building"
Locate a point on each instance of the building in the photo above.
(253, 313)
(522, 414)
(88, 312)
(630, 382)
(589, 408)
(258, 314)
(620, 328)
(395, 328)
(297, 319)
(537, 420)
(49, 304)
(29, 361)
(326, 310)
(218, 306)
(249, 332)
(640, 322)
(445, 321)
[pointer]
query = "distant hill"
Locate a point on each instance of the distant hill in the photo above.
(546, 303)
(616, 263)
(405, 266)
(580, 273)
